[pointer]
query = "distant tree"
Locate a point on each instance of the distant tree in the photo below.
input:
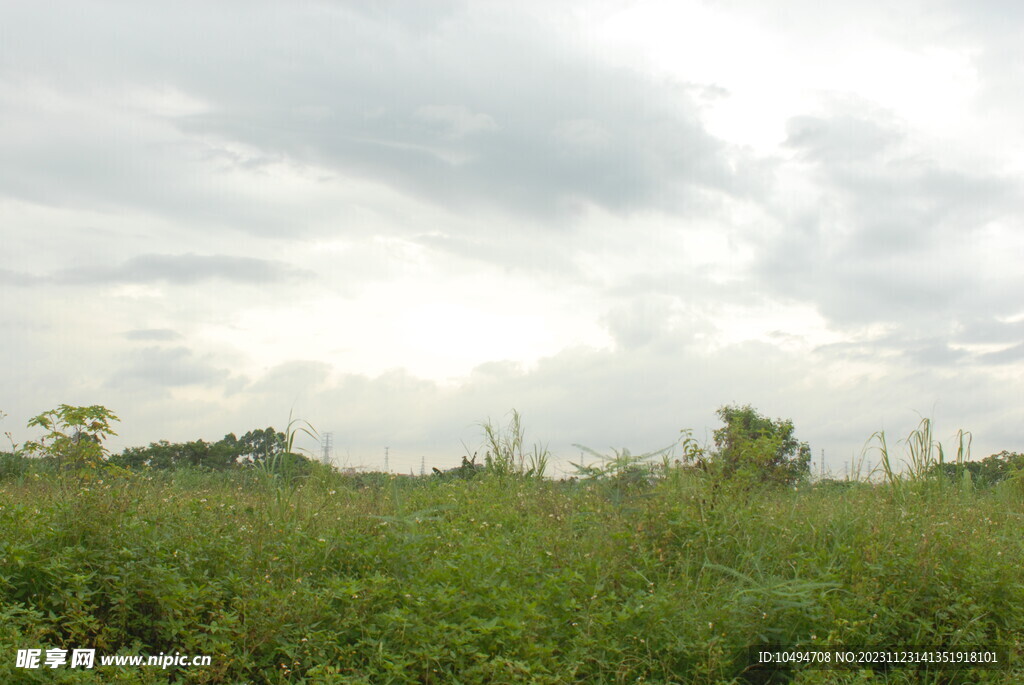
(215, 456)
(265, 448)
(989, 471)
(142, 457)
(223, 454)
(753, 447)
(261, 445)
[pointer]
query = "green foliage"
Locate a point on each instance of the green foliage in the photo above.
(623, 469)
(467, 469)
(500, 580)
(504, 450)
(273, 454)
(378, 578)
(215, 456)
(925, 459)
(752, 448)
(989, 471)
(268, 450)
(261, 446)
(12, 463)
(75, 436)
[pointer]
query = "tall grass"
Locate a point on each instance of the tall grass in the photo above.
(502, 578)
(505, 453)
(924, 459)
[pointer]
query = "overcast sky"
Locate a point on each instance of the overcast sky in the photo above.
(396, 220)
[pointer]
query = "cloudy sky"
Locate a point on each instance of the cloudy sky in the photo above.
(397, 220)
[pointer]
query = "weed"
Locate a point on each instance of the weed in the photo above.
(627, 575)
(505, 455)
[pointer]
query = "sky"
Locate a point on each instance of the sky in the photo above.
(397, 221)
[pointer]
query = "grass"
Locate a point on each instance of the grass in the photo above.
(502, 578)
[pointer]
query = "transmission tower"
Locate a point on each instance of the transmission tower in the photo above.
(326, 446)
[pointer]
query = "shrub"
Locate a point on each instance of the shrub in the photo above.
(752, 447)
(468, 469)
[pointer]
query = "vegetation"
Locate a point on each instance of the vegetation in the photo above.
(647, 568)
(259, 448)
(75, 436)
(756, 449)
(989, 471)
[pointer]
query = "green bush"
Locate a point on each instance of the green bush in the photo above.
(467, 469)
(753, 448)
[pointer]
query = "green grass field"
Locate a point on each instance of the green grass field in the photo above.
(501, 578)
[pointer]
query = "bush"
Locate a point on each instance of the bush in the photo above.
(751, 447)
(468, 469)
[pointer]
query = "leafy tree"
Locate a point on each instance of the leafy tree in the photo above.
(259, 446)
(216, 456)
(222, 454)
(753, 447)
(138, 457)
(75, 436)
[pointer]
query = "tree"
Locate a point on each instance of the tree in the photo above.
(75, 436)
(989, 471)
(261, 445)
(753, 447)
(216, 456)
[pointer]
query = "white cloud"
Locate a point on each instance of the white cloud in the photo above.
(456, 121)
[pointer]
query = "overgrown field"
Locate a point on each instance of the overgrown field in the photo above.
(501, 578)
